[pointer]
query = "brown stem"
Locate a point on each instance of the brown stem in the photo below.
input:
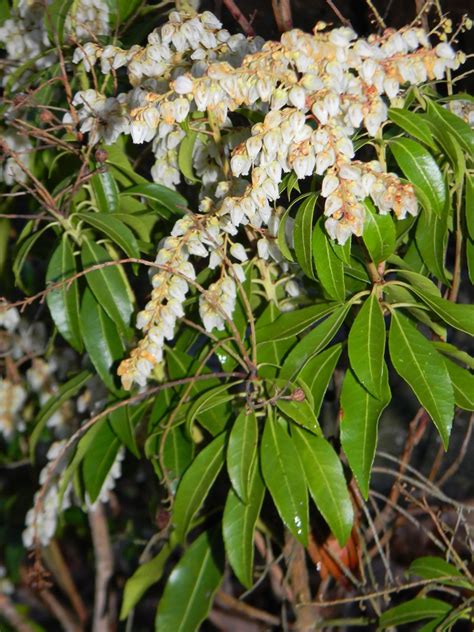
(9, 613)
(104, 568)
(343, 19)
(282, 13)
(298, 575)
(62, 614)
(243, 609)
(239, 17)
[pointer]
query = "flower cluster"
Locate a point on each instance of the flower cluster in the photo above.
(313, 92)
(17, 149)
(12, 398)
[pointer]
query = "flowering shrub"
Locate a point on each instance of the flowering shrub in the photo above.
(227, 233)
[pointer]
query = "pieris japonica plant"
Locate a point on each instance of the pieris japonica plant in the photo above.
(222, 259)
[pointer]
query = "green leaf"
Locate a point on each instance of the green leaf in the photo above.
(108, 285)
(420, 281)
(329, 267)
(457, 315)
(366, 347)
(101, 339)
(24, 246)
(291, 323)
(207, 401)
(238, 526)
(300, 412)
(398, 294)
(414, 124)
(302, 232)
(419, 364)
(114, 229)
(470, 259)
(285, 478)
(56, 13)
(178, 452)
(313, 342)
(360, 414)
(65, 392)
(241, 452)
(463, 385)
(430, 567)
(453, 125)
(121, 423)
(414, 610)
(454, 352)
(145, 576)
(185, 156)
(63, 302)
(171, 200)
(106, 192)
(469, 205)
(326, 482)
(282, 235)
(191, 586)
(318, 372)
(431, 238)
(420, 168)
(196, 483)
(98, 460)
(379, 234)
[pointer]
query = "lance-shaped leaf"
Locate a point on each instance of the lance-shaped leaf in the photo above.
(241, 452)
(469, 205)
(414, 124)
(120, 421)
(302, 232)
(431, 239)
(285, 478)
(360, 414)
(430, 567)
(463, 385)
(191, 586)
(238, 526)
(206, 402)
(108, 285)
(379, 234)
(329, 267)
(367, 345)
(171, 200)
(414, 610)
(313, 342)
(457, 315)
(420, 168)
(318, 373)
(177, 452)
(113, 228)
(326, 482)
(453, 124)
(101, 338)
(63, 302)
(196, 483)
(420, 365)
(292, 323)
(98, 460)
(106, 192)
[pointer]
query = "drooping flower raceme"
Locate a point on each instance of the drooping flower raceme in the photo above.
(312, 93)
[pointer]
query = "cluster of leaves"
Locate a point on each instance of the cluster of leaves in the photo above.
(207, 419)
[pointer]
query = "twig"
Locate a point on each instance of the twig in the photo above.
(453, 468)
(104, 566)
(299, 580)
(282, 13)
(343, 19)
(377, 16)
(9, 613)
(249, 612)
(239, 17)
(65, 618)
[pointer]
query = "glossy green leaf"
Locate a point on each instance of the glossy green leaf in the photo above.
(285, 478)
(302, 232)
(414, 124)
(106, 192)
(56, 13)
(435, 568)
(420, 281)
(65, 392)
(185, 155)
(292, 323)
(398, 294)
(238, 526)
(25, 243)
(419, 364)
(313, 342)
(431, 240)
(171, 200)
(206, 402)
(379, 234)
(453, 352)
(420, 168)
(326, 482)
(113, 228)
(63, 302)
(458, 315)
(144, 577)
(101, 339)
(469, 205)
(196, 483)
(329, 267)
(282, 238)
(191, 586)
(178, 452)
(121, 423)
(366, 346)
(241, 452)
(360, 414)
(107, 285)
(455, 126)
(98, 460)
(470, 259)
(414, 610)
(301, 412)
(318, 372)
(463, 385)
